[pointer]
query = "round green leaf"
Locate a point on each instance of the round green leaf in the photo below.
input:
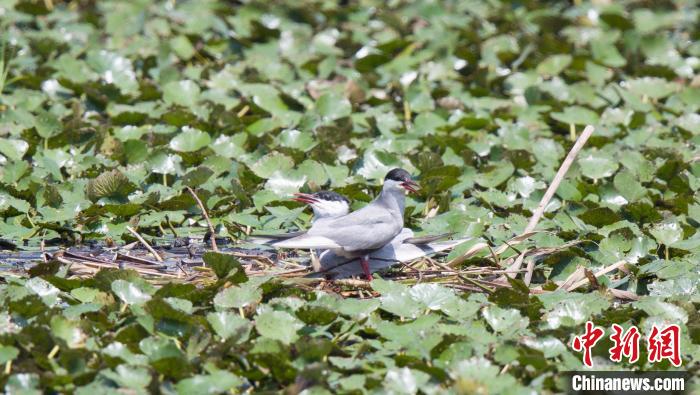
(271, 163)
(184, 93)
(576, 115)
(495, 175)
(129, 292)
(238, 296)
(190, 140)
(217, 382)
(596, 165)
(228, 324)
(7, 353)
(47, 125)
(278, 325)
(667, 233)
(13, 148)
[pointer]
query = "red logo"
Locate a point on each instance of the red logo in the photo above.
(665, 344)
(662, 343)
(627, 344)
(587, 341)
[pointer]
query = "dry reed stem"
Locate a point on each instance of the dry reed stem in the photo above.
(206, 217)
(145, 244)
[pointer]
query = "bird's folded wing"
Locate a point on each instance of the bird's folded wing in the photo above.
(427, 239)
(356, 233)
(307, 241)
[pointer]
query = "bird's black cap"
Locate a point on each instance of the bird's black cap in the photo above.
(331, 196)
(398, 175)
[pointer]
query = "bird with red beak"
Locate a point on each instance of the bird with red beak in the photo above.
(368, 229)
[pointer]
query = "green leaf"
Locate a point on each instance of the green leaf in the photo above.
(331, 106)
(667, 311)
(163, 163)
(230, 146)
(278, 325)
(596, 165)
(554, 65)
(23, 384)
(197, 176)
(566, 309)
(7, 353)
(495, 175)
(190, 140)
(84, 294)
(505, 321)
(225, 265)
(129, 376)
(47, 125)
(184, 93)
(626, 183)
(217, 382)
(667, 233)
(7, 201)
(405, 380)
(271, 163)
(606, 53)
(68, 331)
(689, 122)
(130, 293)
(576, 115)
(652, 87)
(235, 297)
(13, 148)
(293, 138)
(229, 325)
(267, 98)
(182, 47)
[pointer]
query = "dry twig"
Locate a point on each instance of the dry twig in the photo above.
(568, 161)
(145, 244)
(601, 272)
(206, 217)
(549, 194)
(464, 278)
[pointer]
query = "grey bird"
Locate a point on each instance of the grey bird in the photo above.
(368, 229)
(403, 248)
(329, 204)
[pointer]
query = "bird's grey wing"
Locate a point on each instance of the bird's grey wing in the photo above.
(373, 229)
(372, 212)
(427, 239)
(407, 252)
(263, 238)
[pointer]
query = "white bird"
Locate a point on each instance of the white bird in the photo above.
(325, 205)
(368, 229)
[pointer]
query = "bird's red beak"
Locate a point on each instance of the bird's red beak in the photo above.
(410, 186)
(305, 198)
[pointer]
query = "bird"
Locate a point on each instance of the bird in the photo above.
(359, 233)
(404, 247)
(325, 205)
(329, 204)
